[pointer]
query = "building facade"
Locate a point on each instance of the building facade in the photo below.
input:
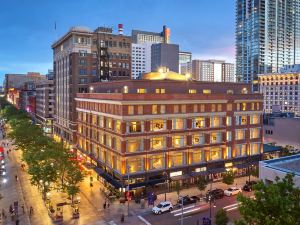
(81, 57)
(141, 59)
(185, 58)
(141, 37)
(45, 105)
(213, 70)
(267, 36)
(168, 125)
(281, 92)
(165, 55)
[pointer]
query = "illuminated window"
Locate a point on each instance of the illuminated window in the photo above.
(244, 91)
(178, 124)
(254, 119)
(118, 126)
(244, 106)
(238, 107)
(176, 108)
(229, 107)
(192, 91)
(240, 150)
(252, 106)
(160, 91)
(229, 92)
(94, 119)
(162, 109)
(254, 148)
(215, 121)
(195, 107)
(219, 107)
(239, 134)
(157, 125)
(202, 108)
(134, 145)
(135, 127)
(125, 89)
(199, 122)
(241, 120)
(140, 109)
(176, 159)
(154, 109)
(118, 144)
(254, 133)
(136, 164)
(183, 108)
(228, 153)
(206, 91)
(228, 136)
(178, 141)
(215, 137)
(257, 106)
(197, 156)
(157, 143)
(101, 121)
(130, 110)
(198, 139)
(108, 140)
(156, 162)
(228, 121)
(141, 90)
(215, 153)
(213, 107)
(109, 123)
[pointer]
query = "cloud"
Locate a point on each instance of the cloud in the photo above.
(226, 53)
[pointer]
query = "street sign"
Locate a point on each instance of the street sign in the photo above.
(206, 221)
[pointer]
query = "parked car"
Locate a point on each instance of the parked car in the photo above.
(249, 185)
(162, 207)
(196, 198)
(232, 191)
(215, 194)
(186, 200)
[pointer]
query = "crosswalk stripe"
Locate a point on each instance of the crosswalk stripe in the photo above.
(184, 208)
(230, 206)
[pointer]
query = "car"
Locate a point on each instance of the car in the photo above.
(196, 198)
(186, 200)
(162, 207)
(249, 186)
(232, 191)
(215, 194)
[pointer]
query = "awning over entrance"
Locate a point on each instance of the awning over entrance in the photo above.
(201, 173)
(107, 177)
(245, 165)
(216, 170)
(180, 177)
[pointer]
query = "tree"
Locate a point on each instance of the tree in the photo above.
(201, 183)
(221, 217)
(177, 188)
(255, 172)
(228, 177)
(274, 204)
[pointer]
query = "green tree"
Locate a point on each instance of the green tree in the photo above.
(177, 188)
(221, 217)
(228, 177)
(201, 184)
(274, 204)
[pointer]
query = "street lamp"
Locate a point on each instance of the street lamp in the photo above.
(128, 170)
(181, 210)
(166, 181)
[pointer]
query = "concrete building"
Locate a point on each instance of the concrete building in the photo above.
(185, 58)
(82, 56)
(141, 59)
(267, 36)
(290, 69)
(168, 124)
(141, 37)
(165, 55)
(270, 169)
(213, 70)
(282, 131)
(281, 92)
(45, 105)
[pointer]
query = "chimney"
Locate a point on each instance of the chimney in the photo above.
(120, 29)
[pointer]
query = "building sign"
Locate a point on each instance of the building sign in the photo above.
(201, 169)
(177, 173)
(228, 164)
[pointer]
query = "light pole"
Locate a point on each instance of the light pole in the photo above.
(181, 210)
(166, 181)
(128, 170)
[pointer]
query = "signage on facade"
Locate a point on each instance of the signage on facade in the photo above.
(177, 173)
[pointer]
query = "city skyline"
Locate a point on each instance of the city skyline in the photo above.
(27, 39)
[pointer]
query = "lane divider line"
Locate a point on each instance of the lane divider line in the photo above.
(184, 208)
(144, 220)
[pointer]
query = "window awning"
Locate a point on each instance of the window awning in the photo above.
(201, 173)
(180, 177)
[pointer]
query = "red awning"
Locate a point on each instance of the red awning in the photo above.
(1, 149)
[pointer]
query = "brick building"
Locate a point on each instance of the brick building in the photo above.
(168, 125)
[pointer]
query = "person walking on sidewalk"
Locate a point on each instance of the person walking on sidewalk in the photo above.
(23, 208)
(31, 211)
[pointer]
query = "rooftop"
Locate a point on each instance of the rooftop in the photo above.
(288, 164)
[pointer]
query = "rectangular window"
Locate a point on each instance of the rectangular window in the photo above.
(255, 148)
(228, 121)
(156, 162)
(154, 109)
(108, 123)
(140, 110)
(254, 133)
(136, 164)
(254, 119)
(135, 127)
(195, 107)
(176, 108)
(228, 153)
(197, 156)
(219, 107)
(213, 107)
(206, 91)
(178, 124)
(141, 90)
(134, 145)
(215, 137)
(238, 107)
(198, 139)
(183, 108)
(157, 143)
(118, 126)
(158, 125)
(241, 120)
(160, 91)
(215, 153)
(130, 110)
(101, 121)
(178, 141)
(202, 108)
(215, 121)
(240, 150)
(228, 136)
(176, 159)
(192, 91)
(244, 106)
(162, 109)
(199, 122)
(239, 134)
(229, 107)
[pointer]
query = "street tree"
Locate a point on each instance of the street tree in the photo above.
(221, 217)
(177, 188)
(274, 204)
(228, 177)
(201, 184)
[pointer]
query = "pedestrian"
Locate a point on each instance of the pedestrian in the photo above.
(104, 205)
(16, 177)
(11, 210)
(31, 211)
(3, 214)
(17, 222)
(108, 204)
(23, 208)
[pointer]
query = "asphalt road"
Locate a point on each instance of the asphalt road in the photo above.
(192, 213)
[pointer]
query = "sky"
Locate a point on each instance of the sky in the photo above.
(27, 27)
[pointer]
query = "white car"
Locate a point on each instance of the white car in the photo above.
(162, 207)
(232, 191)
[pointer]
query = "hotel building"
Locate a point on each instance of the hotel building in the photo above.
(167, 125)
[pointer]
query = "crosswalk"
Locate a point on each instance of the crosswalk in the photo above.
(234, 206)
(189, 209)
(102, 222)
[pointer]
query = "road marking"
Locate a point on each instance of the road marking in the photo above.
(184, 218)
(144, 220)
(177, 210)
(191, 210)
(112, 223)
(231, 207)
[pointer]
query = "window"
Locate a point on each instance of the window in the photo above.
(228, 121)
(215, 137)
(108, 123)
(195, 108)
(158, 125)
(136, 164)
(206, 91)
(135, 127)
(101, 121)
(156, 162)
(229, 92)
(178, 124)
(254, 148)
(178, 141)
(162, 109)
(198, 139)
(130, 110)
(154, 109)
(157, 143)
(118, 144)
(228, 153)
(215, 153)
(244, 106)
(228, 136)
(176, 159)
(241, 120)
(140, 109)
(192, 91)
(183, 108)
(215, 121)
(239, 134)
(238, 108)
(219, 107)
(125, 89)
(252, 106)
(213, 107)
(244, 91)
(254, 133)
(141, 90)
(134, 145)
(197, 156)
(118, 126)
(160, 91)
(202, 108)
(254, 119)
(257, 106)
(176, 108)
(240, 150)
(199, 122)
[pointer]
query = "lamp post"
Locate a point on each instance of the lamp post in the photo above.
(166, 182)
(128, 170)
(181, 210)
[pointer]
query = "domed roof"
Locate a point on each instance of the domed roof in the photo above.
(167, 75)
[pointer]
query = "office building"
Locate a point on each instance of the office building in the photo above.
(165, 55)
(281, 92)
(267, 37)
(213, 70)
(141, 59)
(141, 37)
(45, 105)
(168, 124)
(82, 56)
(185, 58)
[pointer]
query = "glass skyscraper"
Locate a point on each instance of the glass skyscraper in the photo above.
(267, 36)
